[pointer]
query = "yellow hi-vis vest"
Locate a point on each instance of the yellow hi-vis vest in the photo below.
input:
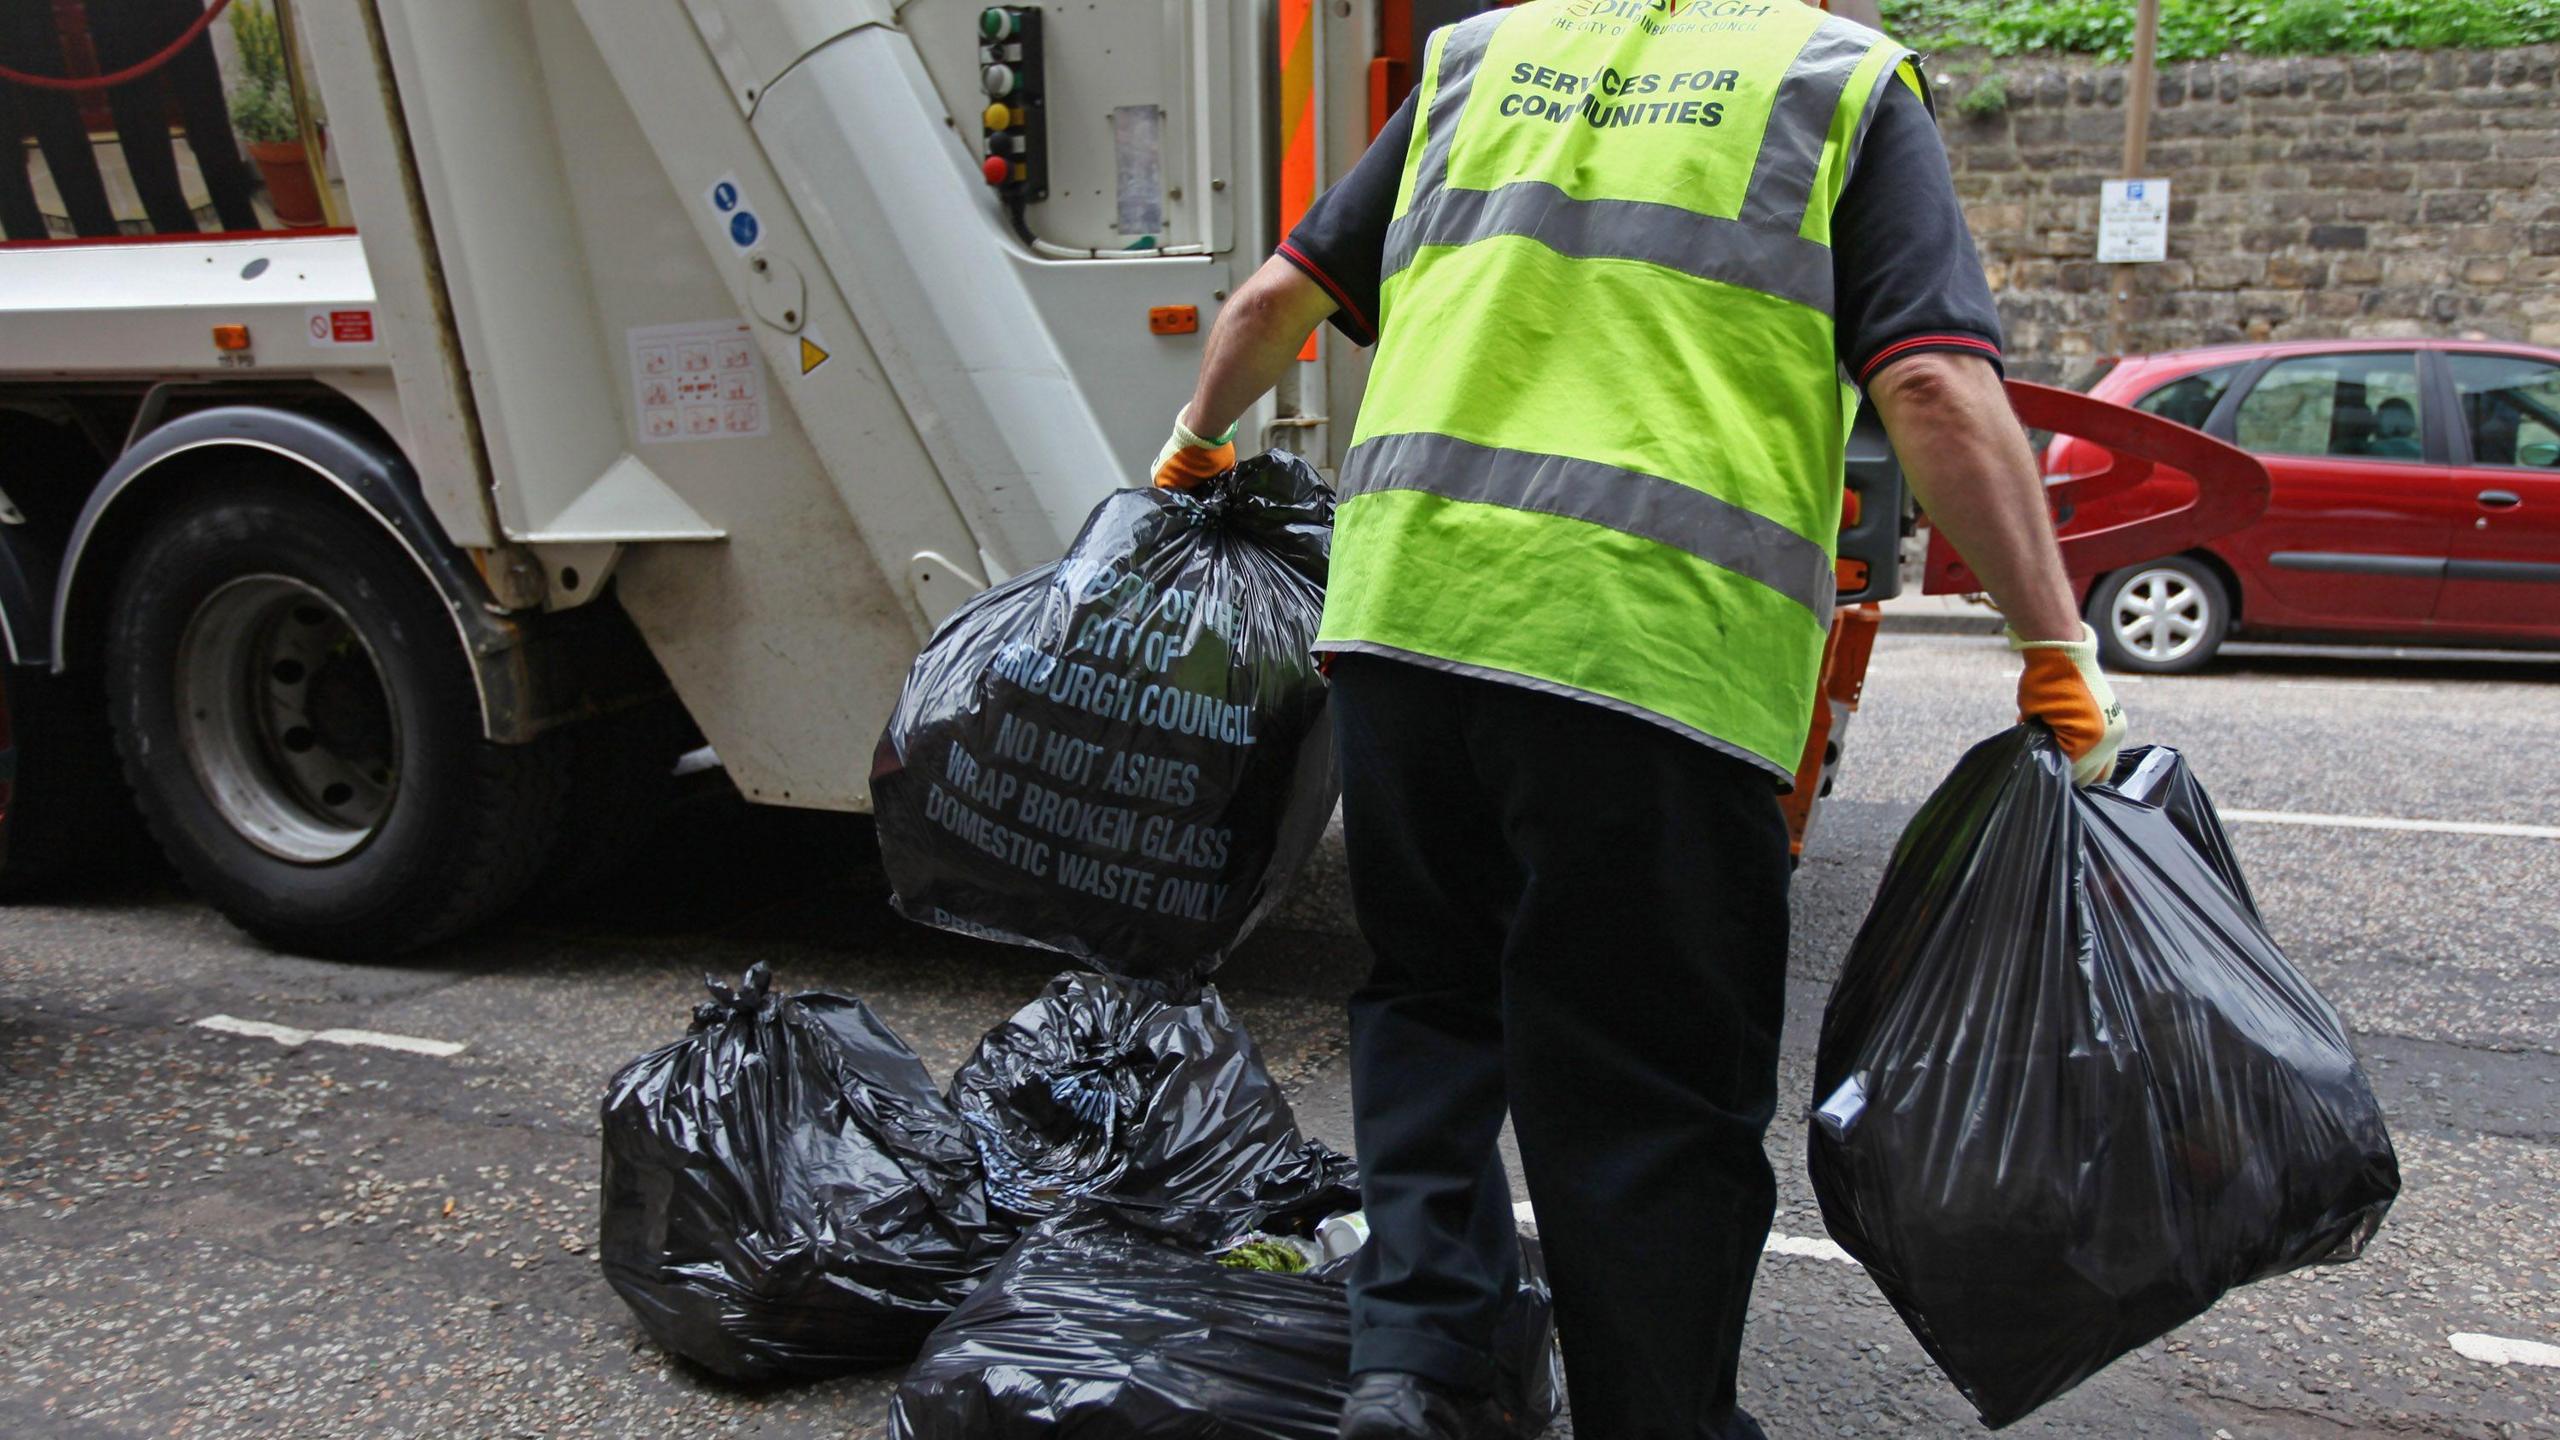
(1601, 451)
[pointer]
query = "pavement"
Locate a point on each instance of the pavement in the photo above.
(212, 1233)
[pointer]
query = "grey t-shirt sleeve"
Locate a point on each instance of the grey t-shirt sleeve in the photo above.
(1341, 244)
(1906, 278)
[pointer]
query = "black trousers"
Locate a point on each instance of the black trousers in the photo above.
(29, 42)
(1581, 916)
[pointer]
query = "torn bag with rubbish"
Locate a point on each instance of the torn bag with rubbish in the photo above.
(2069, 1090)
(1123, 756)
(1095, 1327)
(786, 1193)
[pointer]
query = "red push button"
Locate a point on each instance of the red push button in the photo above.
(998, 169)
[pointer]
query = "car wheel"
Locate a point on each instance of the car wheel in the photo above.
(301, 729)
(2167, 617)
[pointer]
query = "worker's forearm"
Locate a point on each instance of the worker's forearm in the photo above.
(1973, 471)
(1258, 335)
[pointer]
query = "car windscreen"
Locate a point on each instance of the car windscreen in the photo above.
(2189, 399)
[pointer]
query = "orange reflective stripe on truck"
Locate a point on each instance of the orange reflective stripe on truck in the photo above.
(1298, 127)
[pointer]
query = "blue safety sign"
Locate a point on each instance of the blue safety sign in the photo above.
(733, 211)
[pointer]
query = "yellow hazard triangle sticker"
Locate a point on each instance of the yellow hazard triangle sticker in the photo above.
(812, 355)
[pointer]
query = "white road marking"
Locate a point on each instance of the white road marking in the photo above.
(1813, 1249)
(2396, 687)
(2384, 822)
(2497, 1350)
(284, 1035)
(2114, 677)
(376, 1039)
(294, 1039)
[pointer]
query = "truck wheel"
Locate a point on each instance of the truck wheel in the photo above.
(2166, 617)
(63, 808)
(301, 729)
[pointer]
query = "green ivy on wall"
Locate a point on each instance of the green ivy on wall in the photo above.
(2203, 29)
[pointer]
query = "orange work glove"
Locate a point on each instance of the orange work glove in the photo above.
(1187, 460)
(2063, 688)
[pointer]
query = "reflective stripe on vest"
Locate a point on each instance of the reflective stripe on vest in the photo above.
(1663, 511)
(1761, 248)
(1791, 151)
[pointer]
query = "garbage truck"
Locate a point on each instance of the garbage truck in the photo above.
(603, 381)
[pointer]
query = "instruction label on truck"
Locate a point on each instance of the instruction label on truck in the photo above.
(703, 381)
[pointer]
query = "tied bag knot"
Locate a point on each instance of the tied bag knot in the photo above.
(750, 1000)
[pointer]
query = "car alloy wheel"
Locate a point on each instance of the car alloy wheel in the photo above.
(2159, 615)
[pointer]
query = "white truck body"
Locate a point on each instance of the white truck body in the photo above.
(903, 401)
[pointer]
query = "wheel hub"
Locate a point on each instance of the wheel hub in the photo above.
(349, 712)
(286, 720)
(2159, 615)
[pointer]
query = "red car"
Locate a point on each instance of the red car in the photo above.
(2416, 498)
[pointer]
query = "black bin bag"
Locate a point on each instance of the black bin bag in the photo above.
(786, 1193)
(1124, 756)
(1104, 1095)
(2068, 1091)
(1095, 1328)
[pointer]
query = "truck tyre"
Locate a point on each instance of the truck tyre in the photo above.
(2163, 617)
(64, 811)
(300, 726)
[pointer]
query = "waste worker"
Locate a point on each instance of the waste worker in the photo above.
(1627, 267)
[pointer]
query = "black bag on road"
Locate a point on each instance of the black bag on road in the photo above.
(1102, 1095)
(1095, 1328)
(2069, 1091)
(786, 1192)
(1123, 756)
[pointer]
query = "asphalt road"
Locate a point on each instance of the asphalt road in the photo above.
(205, 1233)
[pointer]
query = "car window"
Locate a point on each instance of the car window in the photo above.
(2360, 405)
(2511, 406)
(2189, 399)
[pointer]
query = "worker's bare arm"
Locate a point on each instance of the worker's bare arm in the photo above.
(1259, 333)
(1973, 471)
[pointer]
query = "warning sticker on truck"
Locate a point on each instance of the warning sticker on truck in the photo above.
(703, 381)
(339, 328)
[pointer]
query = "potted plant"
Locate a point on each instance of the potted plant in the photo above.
(262, 110)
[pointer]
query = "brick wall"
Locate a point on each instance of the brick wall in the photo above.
(2372, 195)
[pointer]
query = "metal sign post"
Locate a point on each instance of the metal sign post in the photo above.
(2140, 83)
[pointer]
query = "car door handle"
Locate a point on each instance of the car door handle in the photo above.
(2501, 499)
